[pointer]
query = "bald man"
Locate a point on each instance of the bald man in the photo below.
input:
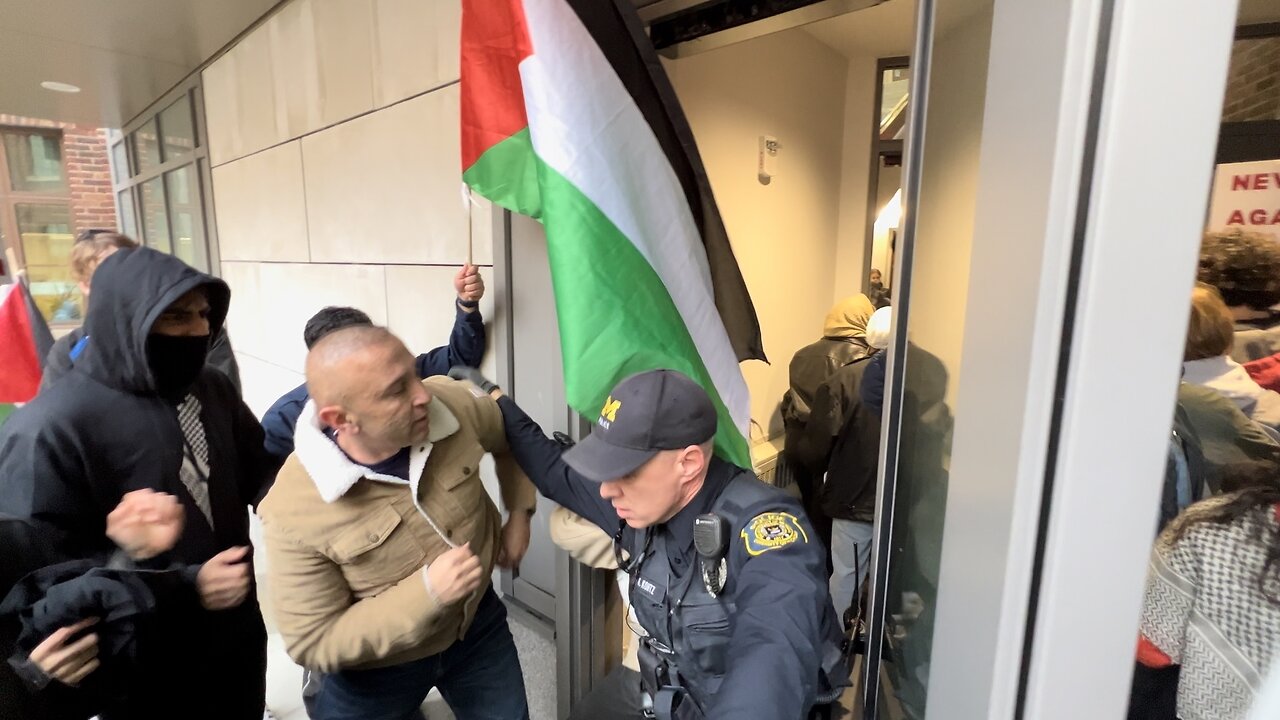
(381, 538)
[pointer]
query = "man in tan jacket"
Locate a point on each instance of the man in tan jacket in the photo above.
(381, 538)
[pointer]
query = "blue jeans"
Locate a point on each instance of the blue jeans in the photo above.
(850, 560)
(478, 676)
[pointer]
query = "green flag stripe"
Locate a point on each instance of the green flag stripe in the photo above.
(507, 174)
(616, 316)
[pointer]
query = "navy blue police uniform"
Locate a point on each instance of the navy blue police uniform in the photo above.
(751, 633)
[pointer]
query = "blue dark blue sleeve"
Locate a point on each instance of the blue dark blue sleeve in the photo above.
(279, 421)
(539, 457)
(871, 391)
(466, 346)
(778, 630)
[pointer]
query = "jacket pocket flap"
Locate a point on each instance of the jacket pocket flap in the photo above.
(371, 533)
(457, 476)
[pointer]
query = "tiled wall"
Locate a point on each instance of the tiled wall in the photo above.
(1253, 84)
(333, 131)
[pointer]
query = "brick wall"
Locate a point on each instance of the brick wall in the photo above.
(1253, 83)
(84, 155)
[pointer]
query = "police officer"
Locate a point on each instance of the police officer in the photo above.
(727, 578)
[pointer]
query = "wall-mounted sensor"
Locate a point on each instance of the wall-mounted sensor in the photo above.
(767, 166)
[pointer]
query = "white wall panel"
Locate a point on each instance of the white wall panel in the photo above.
(416, 47)
(240, 100)
(344, 54)
(261, 208)
(384, 188)
(289, 294)
(245, 325)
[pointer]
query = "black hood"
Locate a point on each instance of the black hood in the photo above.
(130, 290)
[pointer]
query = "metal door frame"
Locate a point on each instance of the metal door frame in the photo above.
(1085, 102)
(580, 592)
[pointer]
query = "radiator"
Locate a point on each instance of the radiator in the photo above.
(769, 464)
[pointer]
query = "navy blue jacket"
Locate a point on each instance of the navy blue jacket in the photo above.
(871, 390)
(466, 347)
(783, 617)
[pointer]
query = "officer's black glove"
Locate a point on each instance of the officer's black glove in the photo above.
(477, 378)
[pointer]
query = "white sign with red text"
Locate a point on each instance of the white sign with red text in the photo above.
(1246, 196)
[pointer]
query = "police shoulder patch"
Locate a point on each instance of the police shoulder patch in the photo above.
(772, 530)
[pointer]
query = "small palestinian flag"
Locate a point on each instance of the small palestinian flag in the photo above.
(569, 117)
(24, 343)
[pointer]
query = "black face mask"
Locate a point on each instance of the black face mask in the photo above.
(176, 361)
(876, 285)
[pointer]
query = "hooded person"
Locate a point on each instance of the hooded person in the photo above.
(140, 410)
(844, 341)
(90, 249)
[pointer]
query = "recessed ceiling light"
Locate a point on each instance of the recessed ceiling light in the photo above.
(59, 87)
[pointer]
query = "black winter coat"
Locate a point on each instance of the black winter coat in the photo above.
(842, 439)
(24, 549)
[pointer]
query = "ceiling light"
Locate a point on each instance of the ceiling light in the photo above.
(60, 86)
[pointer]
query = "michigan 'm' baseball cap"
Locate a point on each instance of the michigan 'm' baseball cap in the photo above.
(645, 414)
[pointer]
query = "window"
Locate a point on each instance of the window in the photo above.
(884, 209)
(35, 218)
(894, 83)
(35, 162)
(161, 166)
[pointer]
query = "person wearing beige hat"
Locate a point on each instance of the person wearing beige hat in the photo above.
(843, 341)
(841, 444)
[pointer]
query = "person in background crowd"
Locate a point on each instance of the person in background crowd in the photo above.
(466, 347)
(1223, 435)
(1212, 605)
(841, 443)
(90, 249)
(877, 292)
(141, 409)
(587, 543)
(381, 538)
(871, 391)
(1245, 268)
(1206, 361)
(843, 342)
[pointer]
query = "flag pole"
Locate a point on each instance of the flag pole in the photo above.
(16, 271)
(466, 207)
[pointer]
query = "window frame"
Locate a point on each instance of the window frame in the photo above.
(881, 148)
(11, 198)
(129, 190)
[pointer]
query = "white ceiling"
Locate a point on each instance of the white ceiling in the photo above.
(126, 53)
(885, 30)
(123, 54)
(889, 29)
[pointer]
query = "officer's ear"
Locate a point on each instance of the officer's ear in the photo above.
(695, 459)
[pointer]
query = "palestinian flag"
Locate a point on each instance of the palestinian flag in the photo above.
(24, 343)
(568, 116)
